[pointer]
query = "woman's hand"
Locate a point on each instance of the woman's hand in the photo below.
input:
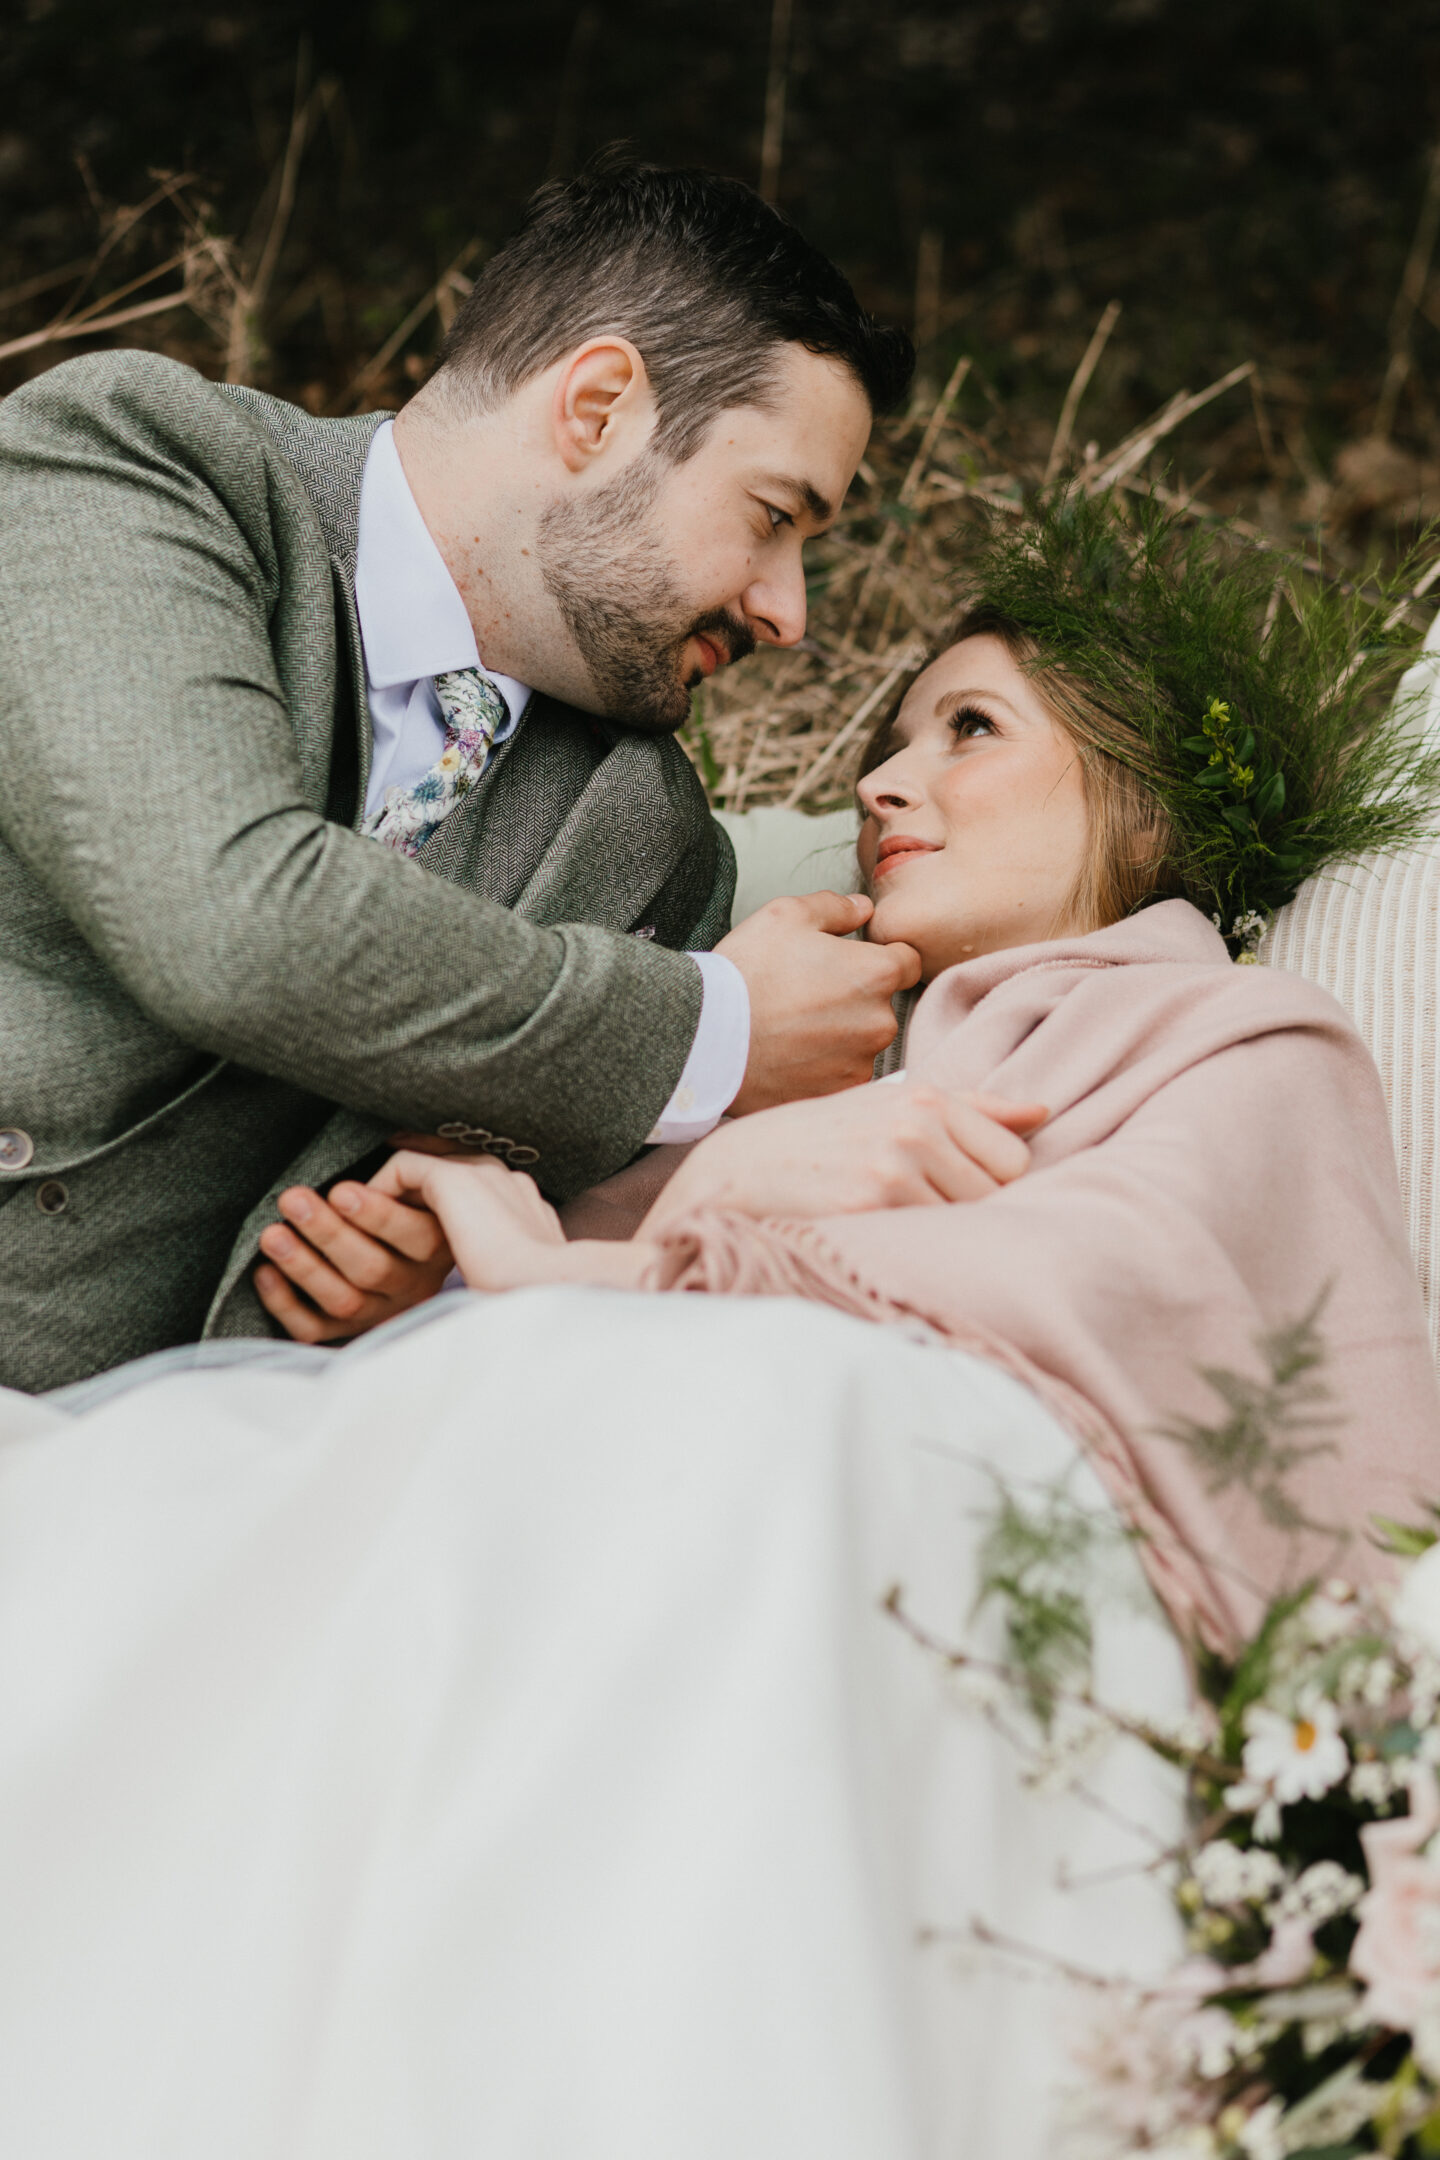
(901, 1144)
(503, 1233)
(348, 1263)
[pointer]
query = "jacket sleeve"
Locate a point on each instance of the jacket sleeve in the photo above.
(154, 574)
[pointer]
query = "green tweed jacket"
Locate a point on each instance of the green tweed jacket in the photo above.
(210, 985)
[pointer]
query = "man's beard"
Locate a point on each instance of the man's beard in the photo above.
(621, 602)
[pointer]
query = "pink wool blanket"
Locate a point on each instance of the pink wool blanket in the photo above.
(1216, 1165)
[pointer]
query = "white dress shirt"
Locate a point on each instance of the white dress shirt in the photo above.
(413, 626)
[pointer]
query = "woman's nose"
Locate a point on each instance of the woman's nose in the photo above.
(885, 791)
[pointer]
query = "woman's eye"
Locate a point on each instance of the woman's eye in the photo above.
(971, 722)
(777, 517)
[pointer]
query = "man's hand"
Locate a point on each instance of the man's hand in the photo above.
(819, 1001)
(348, 1263)
(900, 1145)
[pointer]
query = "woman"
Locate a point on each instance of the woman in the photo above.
(499, 1738)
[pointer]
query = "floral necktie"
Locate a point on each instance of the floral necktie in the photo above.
(475, 712)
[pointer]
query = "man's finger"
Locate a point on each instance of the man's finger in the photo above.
(360, 1260)
(300, 1320)
(902, 965)
(305, 1268)
(408, 1230)
(835, 913)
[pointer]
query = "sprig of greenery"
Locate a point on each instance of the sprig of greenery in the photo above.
(1039, 1559)
(1255, 1445)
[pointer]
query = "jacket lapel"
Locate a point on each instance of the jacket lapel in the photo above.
(329, 456)
(619, 842)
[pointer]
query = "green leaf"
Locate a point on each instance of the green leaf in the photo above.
(1271, 796)
(1245, 748)
(1215, 776)
(1406, 1539)
(1238, 815)
(1199, 744)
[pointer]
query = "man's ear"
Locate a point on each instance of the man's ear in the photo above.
(602, 395)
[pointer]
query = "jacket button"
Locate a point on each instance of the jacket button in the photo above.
(17, 1149)
(52, 1197)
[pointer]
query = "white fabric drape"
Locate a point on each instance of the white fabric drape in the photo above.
(495, 1746)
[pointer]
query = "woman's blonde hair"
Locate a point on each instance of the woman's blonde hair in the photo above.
(1130, 858)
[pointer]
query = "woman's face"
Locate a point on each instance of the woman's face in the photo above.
(976, 828)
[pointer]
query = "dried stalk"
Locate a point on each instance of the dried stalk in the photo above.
(437, 297)
(850, 731)
(1079, 383)
(1137, 447)
(773, 141)
(92, 326)
(1407, 300)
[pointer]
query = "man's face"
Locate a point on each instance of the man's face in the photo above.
(671, 571)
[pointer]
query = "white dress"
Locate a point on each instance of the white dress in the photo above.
(489, 1741)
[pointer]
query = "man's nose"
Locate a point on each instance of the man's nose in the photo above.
(775, 606)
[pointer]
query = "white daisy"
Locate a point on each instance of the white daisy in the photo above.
(1299, 1757)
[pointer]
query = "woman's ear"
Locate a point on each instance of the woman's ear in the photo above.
(602, 398)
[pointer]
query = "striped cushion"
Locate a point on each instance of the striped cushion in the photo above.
(1369, 933)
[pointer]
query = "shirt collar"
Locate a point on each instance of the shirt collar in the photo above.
(413, 622)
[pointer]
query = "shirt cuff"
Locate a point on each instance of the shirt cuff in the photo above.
(718, 1056)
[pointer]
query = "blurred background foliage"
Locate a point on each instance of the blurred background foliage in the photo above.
(297, 195)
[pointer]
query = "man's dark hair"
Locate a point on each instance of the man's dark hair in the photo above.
(705, 279)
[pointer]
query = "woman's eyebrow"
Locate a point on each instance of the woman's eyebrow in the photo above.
(954, 700)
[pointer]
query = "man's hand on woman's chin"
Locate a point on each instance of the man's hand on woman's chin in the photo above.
(820, 1000)
(900, 1145)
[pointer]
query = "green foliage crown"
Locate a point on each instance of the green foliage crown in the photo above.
(1263, 701)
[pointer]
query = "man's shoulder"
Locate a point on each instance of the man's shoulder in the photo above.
(118, 393)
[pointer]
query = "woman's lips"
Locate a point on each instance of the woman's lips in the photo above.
(711, 656)
(900, 848)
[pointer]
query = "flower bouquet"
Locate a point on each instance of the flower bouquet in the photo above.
(1305, 2023)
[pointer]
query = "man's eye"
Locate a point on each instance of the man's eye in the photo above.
(777, 517)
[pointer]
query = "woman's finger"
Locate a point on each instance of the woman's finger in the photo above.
(946, 1170)
(410, 1173)
(413, 1231)
(300, 1320)
(320, 1282)
(1021, 1117)
(998, 1151)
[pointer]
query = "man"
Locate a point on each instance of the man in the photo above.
(341, 789)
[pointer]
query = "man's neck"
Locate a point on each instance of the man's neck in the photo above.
(467, 480)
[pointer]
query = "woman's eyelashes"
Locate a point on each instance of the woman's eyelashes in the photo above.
(777, 517)
(969, 722)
